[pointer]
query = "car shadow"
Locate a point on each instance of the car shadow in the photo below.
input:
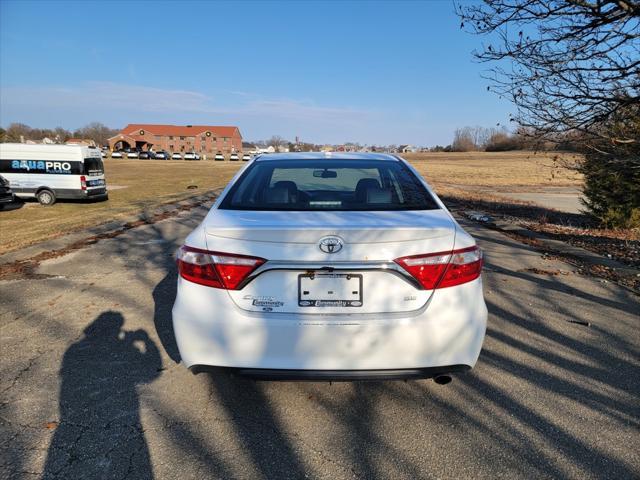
(164, 294)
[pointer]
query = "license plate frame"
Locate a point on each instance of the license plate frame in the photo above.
(305, 295)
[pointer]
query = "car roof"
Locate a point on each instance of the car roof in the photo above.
(327, 155)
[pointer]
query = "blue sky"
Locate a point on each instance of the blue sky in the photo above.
(368, 72)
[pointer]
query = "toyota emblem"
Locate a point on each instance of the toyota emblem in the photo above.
(330, 244)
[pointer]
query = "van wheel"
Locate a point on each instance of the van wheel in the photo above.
(46, 197)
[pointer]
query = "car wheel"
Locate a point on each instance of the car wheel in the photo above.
(46, 197)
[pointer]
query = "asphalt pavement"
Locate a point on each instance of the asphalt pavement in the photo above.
(564, 199)
(91, 384)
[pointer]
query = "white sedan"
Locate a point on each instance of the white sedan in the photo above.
(330, 267)
(176, 156)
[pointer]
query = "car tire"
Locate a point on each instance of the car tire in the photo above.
(46, 197)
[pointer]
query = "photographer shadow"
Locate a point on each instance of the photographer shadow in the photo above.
(99, 434)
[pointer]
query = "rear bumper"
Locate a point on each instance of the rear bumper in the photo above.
(212, 331)
(333, 375)
(93, 193)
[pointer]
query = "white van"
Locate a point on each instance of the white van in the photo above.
(50, 172)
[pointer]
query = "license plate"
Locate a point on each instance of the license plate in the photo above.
(330, 290)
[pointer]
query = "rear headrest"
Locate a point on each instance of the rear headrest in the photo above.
(378, 195)
(277, 195)
(288, 184)
(363, 185)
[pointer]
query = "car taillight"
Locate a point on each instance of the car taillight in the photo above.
(215, 269)
(83, 182)
(444, 269)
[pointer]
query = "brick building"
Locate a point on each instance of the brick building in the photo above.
(203, 139)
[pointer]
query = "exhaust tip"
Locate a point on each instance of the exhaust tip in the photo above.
(442, 379)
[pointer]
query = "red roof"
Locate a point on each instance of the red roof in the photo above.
(179, 130)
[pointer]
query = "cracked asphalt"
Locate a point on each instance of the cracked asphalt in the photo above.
(91, 384)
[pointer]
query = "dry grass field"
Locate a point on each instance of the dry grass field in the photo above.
(137, 185)
(134, 186)
(500, 170)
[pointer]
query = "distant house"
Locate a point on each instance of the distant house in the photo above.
(379, 149)
(269, 149)
(81, 141)
(406, 149)
(204, 139)
(347, 147)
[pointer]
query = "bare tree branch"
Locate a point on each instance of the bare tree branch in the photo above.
(567, 65)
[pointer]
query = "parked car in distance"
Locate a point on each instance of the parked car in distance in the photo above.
(116, 154)
(133, 154)
(144, 155)
(191, 156)
(234, 157)
(6, 194)
(162, 155)
(103, 153)
(246, 157)
(330, 267)
(176, 156)
(219, 157)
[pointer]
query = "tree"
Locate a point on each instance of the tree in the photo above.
(17, 132)
(97, 132)
(463, 140)
(575, 62)
(502, 141)
(276, 141)
(569, 66)
(61, 135)
(470, 139)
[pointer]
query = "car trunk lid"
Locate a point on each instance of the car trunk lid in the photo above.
(359, 277)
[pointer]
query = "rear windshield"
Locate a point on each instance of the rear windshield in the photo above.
(93, 166)
(328, 185)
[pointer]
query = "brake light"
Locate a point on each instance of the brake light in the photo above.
(215, 269)
(83, 182)
(444, 269)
